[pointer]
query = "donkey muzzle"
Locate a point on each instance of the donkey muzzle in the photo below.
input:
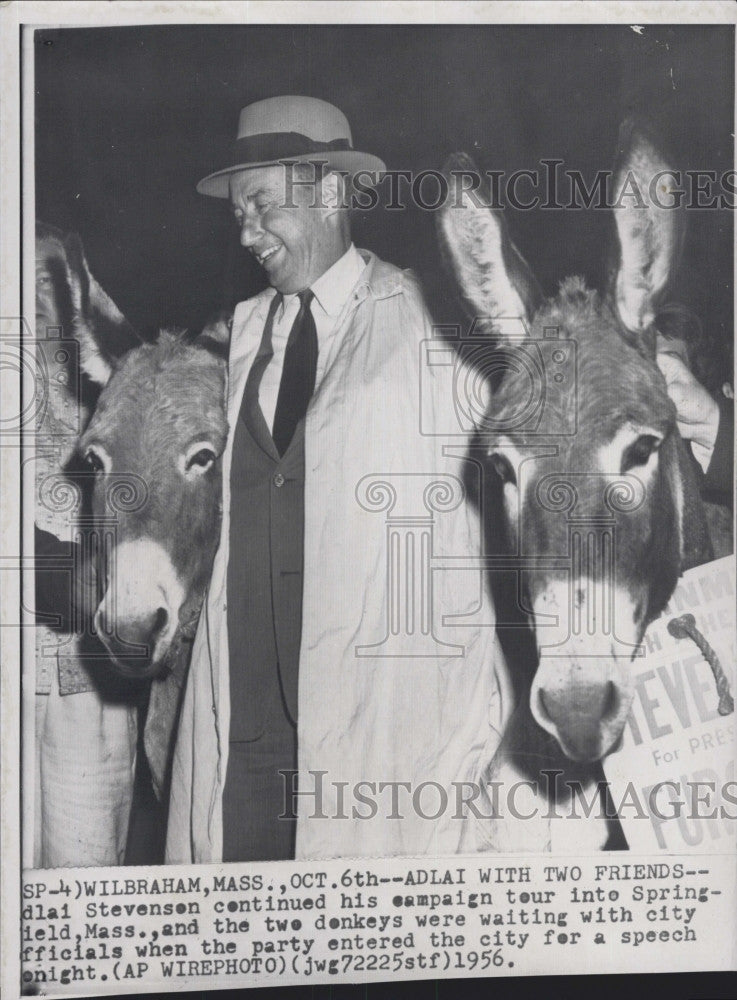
(132, 642)
(584, 705)
(139, 612)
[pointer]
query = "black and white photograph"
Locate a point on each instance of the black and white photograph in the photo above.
(368, 498)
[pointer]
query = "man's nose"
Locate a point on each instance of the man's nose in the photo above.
(251, 231)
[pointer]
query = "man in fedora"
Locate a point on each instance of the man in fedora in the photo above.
(301, 663)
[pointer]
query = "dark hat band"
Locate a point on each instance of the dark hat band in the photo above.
(282, 146)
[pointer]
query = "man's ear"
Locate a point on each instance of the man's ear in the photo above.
(333, 196)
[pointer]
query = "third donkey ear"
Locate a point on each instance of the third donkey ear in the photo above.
(103, 332)
(215, 335)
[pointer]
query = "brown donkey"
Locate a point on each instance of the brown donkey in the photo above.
(598, 502)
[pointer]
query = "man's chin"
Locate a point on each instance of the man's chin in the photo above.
(282, 277)
(274, 267)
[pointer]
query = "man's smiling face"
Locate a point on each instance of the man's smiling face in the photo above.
(284, 225)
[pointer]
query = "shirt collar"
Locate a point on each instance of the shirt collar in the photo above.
(356, 269)
(334, 286)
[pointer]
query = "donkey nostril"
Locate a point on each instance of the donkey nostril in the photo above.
(161, 619)
(562, 707)
(610, 705)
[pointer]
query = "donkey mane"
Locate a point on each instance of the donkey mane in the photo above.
(172, 349)
(171, 374)
(174, 345)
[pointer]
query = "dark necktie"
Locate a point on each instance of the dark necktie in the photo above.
(298, 374)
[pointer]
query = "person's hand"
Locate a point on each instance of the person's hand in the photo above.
(697, 414)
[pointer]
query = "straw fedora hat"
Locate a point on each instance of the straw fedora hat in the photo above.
(295, 129)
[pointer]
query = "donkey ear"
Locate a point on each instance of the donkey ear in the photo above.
(649, 232)
(102, 331)
(490, 272)
(215, 335)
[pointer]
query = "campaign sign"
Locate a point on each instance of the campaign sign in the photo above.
(674, 774)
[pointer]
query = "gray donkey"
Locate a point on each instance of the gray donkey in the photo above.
(598, 503)
(132, 431)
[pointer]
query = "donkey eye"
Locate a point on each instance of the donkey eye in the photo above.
(203, 458)
(639, 452)
(93, 461)
(200, 460)
(503, 468)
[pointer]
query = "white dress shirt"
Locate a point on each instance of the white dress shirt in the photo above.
(331, 291)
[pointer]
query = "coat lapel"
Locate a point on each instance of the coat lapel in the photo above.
(250, 411)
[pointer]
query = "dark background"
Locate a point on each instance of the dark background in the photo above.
(129, 119)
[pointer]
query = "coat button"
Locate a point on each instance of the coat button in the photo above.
(278, 479)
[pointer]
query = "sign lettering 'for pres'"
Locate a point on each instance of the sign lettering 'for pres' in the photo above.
(675, 771)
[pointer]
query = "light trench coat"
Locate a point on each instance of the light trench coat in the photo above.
(391, 689)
